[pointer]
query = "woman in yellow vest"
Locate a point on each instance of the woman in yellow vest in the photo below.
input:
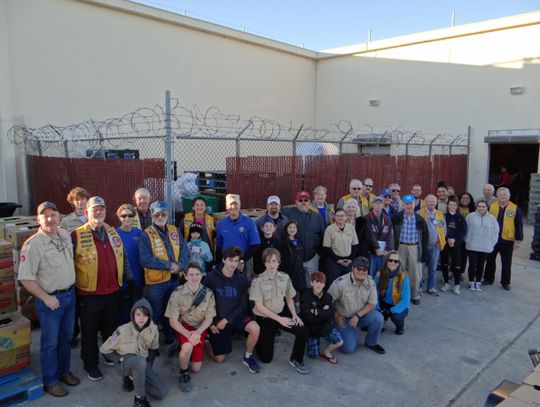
(394, 292)
(206, 221)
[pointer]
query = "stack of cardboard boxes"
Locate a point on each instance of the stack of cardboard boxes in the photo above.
(16, 230)
(14, 327)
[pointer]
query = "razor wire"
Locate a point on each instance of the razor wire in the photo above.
(212, 124)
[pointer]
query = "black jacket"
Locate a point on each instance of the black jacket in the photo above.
(421, 228)
(317, 320)
(311, 231)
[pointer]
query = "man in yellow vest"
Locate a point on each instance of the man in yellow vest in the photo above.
(436, 225)
(101, 267)
(510, 236)
(356, 189)
(163, 254)
(143, 218)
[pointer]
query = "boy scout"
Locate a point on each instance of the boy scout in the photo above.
(191, 310)
(355, 297)
(46, 270)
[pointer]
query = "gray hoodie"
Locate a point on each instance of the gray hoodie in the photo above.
(482, 232)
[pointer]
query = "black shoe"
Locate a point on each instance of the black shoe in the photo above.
(108, 360)
(364, 329)
(94, 374)
(185, 382)
(485, 282)
(399, 331)
(127, 384)
(141, 402)
(377, 349)
(506, 287)
(415, 301)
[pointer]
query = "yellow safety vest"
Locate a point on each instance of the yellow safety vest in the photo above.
(136, 221)
(209, 224)
(508, 226)
(86, 259)
(439, 217)
(329, 215)
(159, 251)
(364, 204)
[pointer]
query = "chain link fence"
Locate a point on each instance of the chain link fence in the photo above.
(154, 147)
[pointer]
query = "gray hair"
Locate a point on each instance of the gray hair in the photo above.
(142, 191)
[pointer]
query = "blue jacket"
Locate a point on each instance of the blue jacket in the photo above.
(405, 300)
(147, 256)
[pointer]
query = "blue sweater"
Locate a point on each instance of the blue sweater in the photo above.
(230, 294)
(130, 240)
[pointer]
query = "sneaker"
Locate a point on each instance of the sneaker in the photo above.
(478, 286)
(377, 349)
(251, 364)
(456, 289)
(70, 379)
(94, 374)
(56, 390)
(185, 382)
(415, 301)
(445, 287)
(299, 366)
(127, 384)
(506, 287)
(399, 331)
(472, 287)
(433, 292)
(141, 402)
(108, 360)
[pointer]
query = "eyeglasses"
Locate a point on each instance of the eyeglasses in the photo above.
(303, 200)
(356, 188)
(396, 190)
(368, 186)
(160, 215)
(393, 261)
(125, 215)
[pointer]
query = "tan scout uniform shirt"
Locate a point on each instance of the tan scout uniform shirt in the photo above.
(340, 241)
(71, 222)
(272, 291)
(350, 296)
(179, 306)
(127, 340)
(48, 261)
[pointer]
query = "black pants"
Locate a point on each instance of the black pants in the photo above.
(265, 344)
(464, 256)
(97, 313)
(477, 260)
(333, 271)
(451, 259)
(506, 250)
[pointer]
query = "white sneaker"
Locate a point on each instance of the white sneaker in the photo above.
(472, 287)
(456, 289)
(478, 286)
(445, 287)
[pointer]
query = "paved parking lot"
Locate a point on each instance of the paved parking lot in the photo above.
(455, 350)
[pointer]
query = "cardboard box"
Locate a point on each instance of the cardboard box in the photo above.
(6, 262)
(19, 234)
(14, 332)
(14, 359)
(6, 248)
(8, 298)
(14, 221)
(7, 275)
(15, 258)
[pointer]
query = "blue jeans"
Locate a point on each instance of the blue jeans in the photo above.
(433, 253)
(158, 297)
(375, 263)
(374, 322)
(56, 332)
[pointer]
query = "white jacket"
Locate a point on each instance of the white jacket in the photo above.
(482, 232)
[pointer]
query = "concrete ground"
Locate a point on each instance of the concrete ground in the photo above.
(455, 350)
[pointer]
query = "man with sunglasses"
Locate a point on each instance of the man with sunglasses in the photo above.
(163, 254)
(101, 266)
(367, 196)
(356, 189)
(355, 298)
(396, 203)
(311, 231)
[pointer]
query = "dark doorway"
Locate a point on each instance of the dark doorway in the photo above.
(521, 160)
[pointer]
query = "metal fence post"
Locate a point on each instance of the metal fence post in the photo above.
(168, 158)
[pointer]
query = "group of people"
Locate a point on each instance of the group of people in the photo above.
(314, 270)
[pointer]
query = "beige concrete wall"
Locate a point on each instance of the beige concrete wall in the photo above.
(438, 87)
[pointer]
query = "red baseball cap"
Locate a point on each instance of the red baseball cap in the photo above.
(302, 194)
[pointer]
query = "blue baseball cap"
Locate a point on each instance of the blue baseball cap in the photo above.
(408, 199)
(158, 206)
(386, 191)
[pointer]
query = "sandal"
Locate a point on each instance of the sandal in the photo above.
(331, 359)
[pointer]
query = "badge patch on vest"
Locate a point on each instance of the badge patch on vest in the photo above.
(116, 241)
(174, 236)
(510, 213)
(241, 229)
(440, 223)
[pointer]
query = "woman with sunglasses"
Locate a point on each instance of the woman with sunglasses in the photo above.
(394, 292)
(130, 239)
